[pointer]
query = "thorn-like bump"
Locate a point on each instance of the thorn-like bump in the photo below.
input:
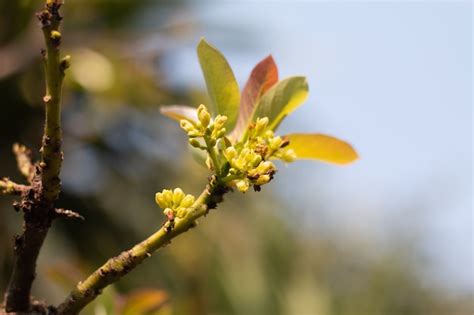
(65, 63)
(69, 214)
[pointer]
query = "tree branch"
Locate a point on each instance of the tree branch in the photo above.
(37, 203)
(51, 155)
(115, 268)
(7, 187)
(24, 161)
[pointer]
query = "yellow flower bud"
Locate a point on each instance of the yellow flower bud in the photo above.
(264, 167)
(220, 121)
(261, 124)
(262, 180)
(288, 155)
(168, 197)
(160, 200)
(187, 201)
(195, 143)
(187, 125)
(230, 153)
(203, 115)
(178, 196)
(242, 185)
(256, 159)
(275, 143)
(219, 134)
(269, 134)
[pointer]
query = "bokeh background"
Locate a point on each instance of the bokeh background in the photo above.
(390, 234)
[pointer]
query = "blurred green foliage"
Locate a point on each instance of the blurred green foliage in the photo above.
(247, 257)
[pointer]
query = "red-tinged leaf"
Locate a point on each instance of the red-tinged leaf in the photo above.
(262, 78)
(322, 147)
(179, 112)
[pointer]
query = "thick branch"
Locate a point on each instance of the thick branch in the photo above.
(117, 267)
(38, 203)
(51, 155)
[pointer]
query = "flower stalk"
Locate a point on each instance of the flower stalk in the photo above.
(117, 267)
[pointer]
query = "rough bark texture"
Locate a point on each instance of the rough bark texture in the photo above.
(38, 198)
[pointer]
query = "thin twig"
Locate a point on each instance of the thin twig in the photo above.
(7, 187)
(68, 214)
(24, 161)
(115, 268)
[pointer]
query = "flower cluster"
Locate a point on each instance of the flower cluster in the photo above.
(244, 163)
(175, 204)
(249, 159)
(205, 127)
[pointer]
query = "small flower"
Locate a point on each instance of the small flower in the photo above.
(203, 115)
(261, 125)
(175, 203)
(242, 185)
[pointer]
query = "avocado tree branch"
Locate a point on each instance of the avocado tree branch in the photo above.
(37, 200)
(115, 268)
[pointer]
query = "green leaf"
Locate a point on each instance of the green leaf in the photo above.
(262, 78)
(322, 147)
(221, 85)
(179, 112)
(282, 99)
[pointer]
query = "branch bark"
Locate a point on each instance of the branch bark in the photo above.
(115, 268)
(7, 187)
(37, 202)
(24, 161)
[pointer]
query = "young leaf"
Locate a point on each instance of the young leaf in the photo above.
(179, 112)
(322, 147)
(221, 85)
(262, 78)
(282, 99)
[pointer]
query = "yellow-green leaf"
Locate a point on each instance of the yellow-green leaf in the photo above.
(282, 99)
(322, 147)
(179, 112)
(145, 302)
(221, 85)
